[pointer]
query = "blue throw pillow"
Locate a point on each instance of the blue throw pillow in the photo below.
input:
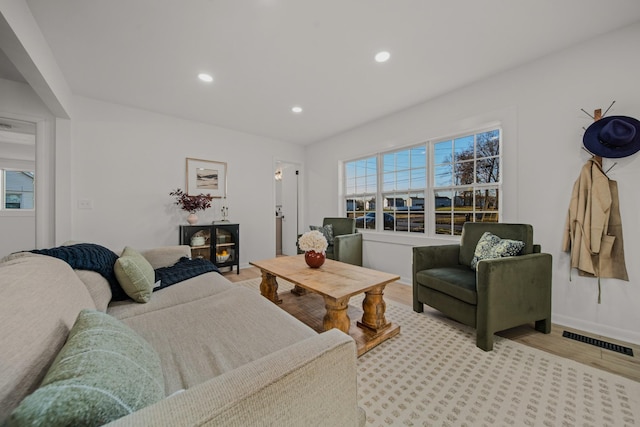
(92, 257)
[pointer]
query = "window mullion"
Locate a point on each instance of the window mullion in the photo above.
(379, 192)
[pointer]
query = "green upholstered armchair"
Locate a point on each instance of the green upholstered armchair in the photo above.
(347, 242)
(501, 294)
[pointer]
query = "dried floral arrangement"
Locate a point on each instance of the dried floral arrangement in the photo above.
(192, 204)
(313, 241)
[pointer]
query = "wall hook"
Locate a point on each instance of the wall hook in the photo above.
(607, 110)
(588, 114)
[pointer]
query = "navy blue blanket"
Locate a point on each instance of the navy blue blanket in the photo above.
(184, 269)
(89, 256)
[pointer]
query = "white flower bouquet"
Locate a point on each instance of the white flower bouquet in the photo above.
(313, 241)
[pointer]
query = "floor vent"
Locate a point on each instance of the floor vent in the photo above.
(599, 343)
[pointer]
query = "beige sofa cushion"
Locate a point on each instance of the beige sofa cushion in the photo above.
(34, 328)
(233, 327)
(97, 286)
(166, 256)
(189, 290)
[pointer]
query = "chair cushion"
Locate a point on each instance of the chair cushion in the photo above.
(103, 372)
(459, 282)
(491, 246)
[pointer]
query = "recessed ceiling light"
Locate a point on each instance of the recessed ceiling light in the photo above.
(382, 56)
(205, 77)
(296, 109)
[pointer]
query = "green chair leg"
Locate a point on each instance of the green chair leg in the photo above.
(543, 325)
(418, 307)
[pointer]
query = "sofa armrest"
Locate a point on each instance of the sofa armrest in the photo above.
(166, 256)
(348, 248)
(513, 291)
(312, 382)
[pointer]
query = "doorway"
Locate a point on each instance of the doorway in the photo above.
(17, 185)
(287, 206)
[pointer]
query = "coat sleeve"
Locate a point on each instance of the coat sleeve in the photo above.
(600, 207)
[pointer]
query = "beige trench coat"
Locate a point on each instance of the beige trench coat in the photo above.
(593, 229)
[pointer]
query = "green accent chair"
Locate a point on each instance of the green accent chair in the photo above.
(503, 293)
(347, 242)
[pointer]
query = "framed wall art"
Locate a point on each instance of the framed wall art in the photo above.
(206, 176)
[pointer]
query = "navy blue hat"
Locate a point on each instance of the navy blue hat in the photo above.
(613, 137)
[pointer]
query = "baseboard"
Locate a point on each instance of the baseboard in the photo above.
(625, 335)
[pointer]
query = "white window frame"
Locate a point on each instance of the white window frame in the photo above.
(360, 195)
(4, 211)
(473, 187)
(423, 190)
(430, 190)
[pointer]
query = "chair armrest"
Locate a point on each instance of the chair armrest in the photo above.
(348, 248)
(166, 256)
(514, 290)
(425, 257)
(317, 376)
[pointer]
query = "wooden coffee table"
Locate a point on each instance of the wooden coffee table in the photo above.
(336, 282)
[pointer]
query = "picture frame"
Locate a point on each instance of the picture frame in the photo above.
(207, 177)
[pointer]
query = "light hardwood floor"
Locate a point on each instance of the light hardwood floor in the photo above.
(554, 342)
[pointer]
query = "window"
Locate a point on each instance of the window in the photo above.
(466, 181)
(404, 178)
(434, 186)
(17, 189)
(361, 188)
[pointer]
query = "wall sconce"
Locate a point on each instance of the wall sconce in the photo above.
(278, 175)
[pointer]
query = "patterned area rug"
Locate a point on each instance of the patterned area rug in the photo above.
(432, 374)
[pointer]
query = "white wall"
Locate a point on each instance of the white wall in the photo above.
(539, 107)
(126, 161)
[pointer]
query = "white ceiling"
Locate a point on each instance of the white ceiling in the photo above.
(268, 55)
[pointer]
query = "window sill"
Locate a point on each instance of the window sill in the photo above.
(408, 239)
(17, 213)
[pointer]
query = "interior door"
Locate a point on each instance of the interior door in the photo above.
(17, 185)
(290, 207)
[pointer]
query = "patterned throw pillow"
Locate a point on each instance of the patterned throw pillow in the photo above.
(327, 232)
(103, 372)
(491, 246)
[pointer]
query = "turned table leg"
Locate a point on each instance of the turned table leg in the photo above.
(336, 316)
(298, 290)
(269, 287)
(374, 308)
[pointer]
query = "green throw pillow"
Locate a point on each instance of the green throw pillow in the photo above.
(327, 231)
(103, 372)
(491, 246)
(135, 275)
